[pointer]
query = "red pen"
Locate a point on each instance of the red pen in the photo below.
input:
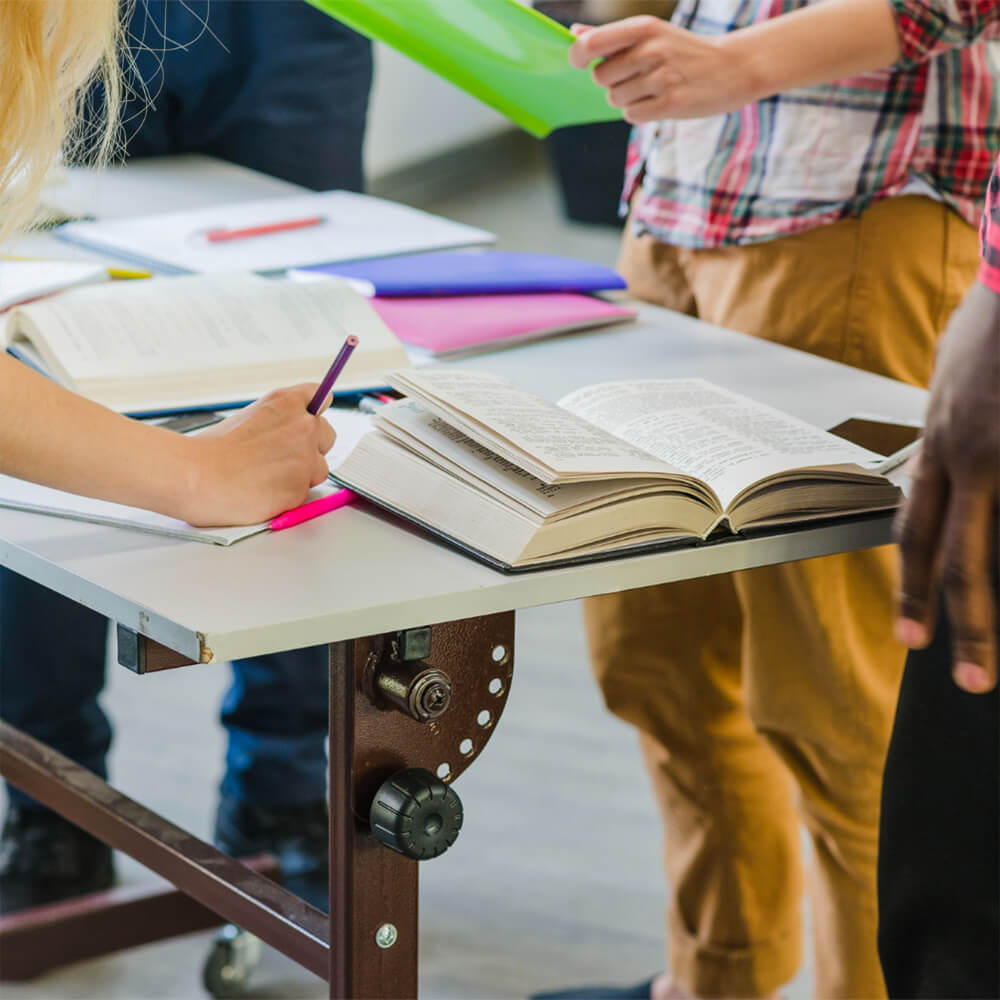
(264, 229)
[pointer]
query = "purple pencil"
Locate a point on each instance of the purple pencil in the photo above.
(332, 374)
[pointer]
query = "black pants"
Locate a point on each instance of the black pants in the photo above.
(938, 873)
(274, 85)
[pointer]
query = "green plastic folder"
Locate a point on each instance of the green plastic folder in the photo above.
(507, 55)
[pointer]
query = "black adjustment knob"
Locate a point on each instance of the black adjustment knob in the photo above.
(416, 814)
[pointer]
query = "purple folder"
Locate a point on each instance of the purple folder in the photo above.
(492, 272)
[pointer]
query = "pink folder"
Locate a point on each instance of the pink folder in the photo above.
(470, 324)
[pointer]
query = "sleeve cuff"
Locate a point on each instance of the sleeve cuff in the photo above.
(920, 29)
(990, 277)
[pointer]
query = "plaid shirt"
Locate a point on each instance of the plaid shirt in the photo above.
(927, 29)
(808, 157)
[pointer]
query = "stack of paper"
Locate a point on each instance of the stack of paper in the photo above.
(444, 304)
(278, 233)
(471, 272)
(473, 324)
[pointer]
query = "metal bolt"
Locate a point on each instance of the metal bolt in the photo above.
(385, 936)
(430, 696)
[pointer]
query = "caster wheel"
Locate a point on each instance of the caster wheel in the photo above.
(235, 954)
(416, 814)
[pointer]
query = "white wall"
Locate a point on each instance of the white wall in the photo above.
(414, 115)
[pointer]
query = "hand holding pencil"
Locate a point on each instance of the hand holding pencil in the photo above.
(264, 459)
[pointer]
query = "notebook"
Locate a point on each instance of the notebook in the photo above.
(18, 494)
(24, 280)
(472, 273)
(500, 51)
(171, 344)
(350, 227)
(472, 324)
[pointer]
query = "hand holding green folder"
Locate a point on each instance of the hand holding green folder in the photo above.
(509, 56)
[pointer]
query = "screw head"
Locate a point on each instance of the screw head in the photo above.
(386, 935)
(430, 696)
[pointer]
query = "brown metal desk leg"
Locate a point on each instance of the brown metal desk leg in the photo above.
(373, 891)
(427, 699)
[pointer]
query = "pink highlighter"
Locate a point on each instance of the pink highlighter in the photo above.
(313, 509)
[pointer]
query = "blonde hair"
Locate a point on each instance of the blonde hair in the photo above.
(50, 52)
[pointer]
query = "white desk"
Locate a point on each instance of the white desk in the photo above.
(361, 573)
(358, 572)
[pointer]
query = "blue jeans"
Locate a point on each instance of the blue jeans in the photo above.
(278, 86)
(52, 655)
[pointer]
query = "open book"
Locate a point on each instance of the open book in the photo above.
(182, 343)
(611, 468)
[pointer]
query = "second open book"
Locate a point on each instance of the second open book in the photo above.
(612, 468)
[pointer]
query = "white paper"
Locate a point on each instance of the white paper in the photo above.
(496, 410)
(470, 460)
(22, 495)
(354, 227)
(22, 280)
(724, 439)
(351, 426)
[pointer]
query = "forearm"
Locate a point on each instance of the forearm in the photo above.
(53, 437)
(842, 38)
(817, 44)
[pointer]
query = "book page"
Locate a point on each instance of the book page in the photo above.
(723, 438)
(408, 422)
(179, 325)
(525, 427)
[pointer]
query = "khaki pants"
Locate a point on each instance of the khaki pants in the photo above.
(768, 695)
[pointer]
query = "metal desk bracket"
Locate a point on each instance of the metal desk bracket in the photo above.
(143, 655)
(369, 947)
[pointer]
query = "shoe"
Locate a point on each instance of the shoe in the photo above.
(45, 858)
(641, 991)
(298, 836)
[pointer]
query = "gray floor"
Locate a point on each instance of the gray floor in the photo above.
(556, 877)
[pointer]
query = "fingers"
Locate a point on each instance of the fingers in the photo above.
(968, 593)
(649, 109)
(918, 531)
(632, 92)
(305, 392)
(325, 405)
(301, 393)
(625, 66)
(598, 43)
(327, 436)
(320, 471)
